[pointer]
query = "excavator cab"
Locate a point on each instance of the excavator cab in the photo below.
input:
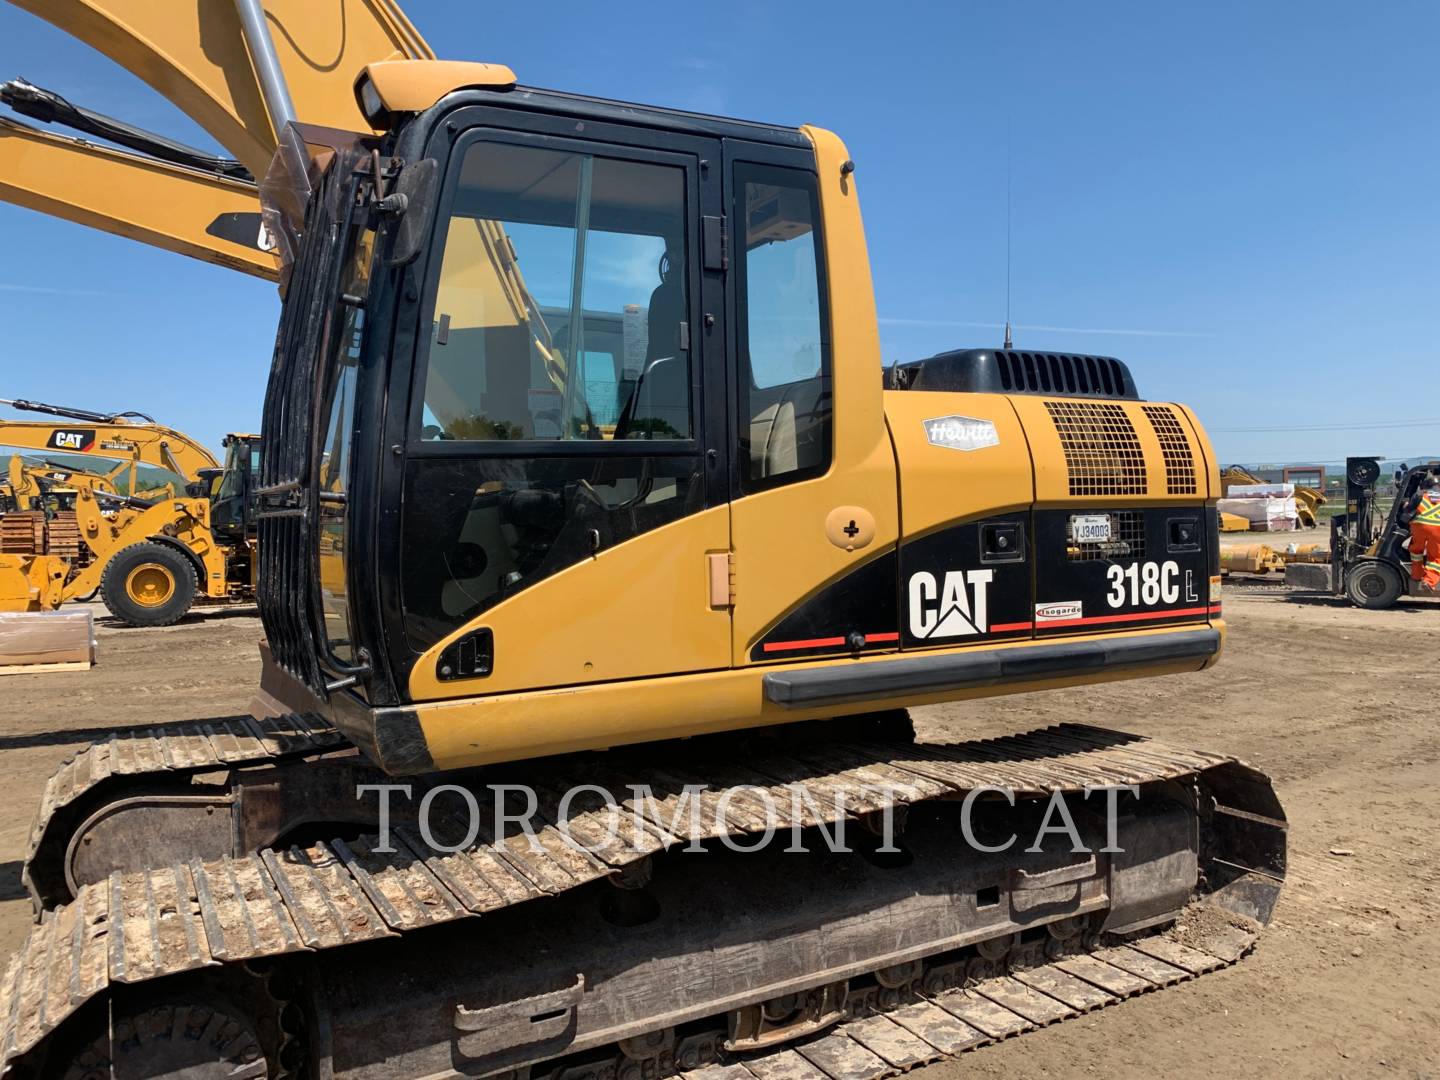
(572, 393)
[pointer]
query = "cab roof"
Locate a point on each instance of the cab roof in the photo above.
(389, 87)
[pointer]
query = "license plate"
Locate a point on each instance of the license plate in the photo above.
(1090, 528)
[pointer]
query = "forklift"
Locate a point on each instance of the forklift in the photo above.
(1370, 563)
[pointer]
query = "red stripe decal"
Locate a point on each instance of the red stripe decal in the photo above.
(998, 628)
(823, 642)
(808, 643)
(1133, 616)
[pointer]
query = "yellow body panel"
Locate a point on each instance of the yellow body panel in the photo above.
(939, 485)
(641, 608)
(31, 582)
(782, 552)
(507, 727)
(1234, 523)
(1201, 441)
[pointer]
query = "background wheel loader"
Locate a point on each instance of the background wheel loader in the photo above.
(531, 535)
(148, 552)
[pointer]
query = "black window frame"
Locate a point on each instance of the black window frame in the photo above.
(509, 448)
(742, 163)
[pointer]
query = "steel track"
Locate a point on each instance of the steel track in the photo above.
(147, 926)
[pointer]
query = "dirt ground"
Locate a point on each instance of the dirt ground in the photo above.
(1335, 703)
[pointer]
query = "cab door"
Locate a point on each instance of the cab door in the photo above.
(565, 453)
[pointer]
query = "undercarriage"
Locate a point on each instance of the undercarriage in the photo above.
(800, 909)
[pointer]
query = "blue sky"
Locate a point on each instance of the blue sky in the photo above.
(1239, 199)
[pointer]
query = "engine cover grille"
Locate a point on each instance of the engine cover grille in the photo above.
(1179, 458)
(1102, 451)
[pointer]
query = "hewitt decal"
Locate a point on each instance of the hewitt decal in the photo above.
(961, 433)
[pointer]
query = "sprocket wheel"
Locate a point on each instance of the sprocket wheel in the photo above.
(172, 1042)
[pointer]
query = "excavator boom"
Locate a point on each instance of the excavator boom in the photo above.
(200, 57)
(141, 198)
(106, 436)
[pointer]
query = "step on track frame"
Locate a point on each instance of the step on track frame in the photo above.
(146, 926)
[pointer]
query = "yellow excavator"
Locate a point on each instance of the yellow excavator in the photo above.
(126, 440)
(44, 484)
(148, 552)
(39, 526)
(597, 602)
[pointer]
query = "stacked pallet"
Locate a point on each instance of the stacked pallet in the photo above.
(35, 641)
(22, 533)
(1267, 507)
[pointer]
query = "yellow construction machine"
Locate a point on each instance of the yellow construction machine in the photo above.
(50, 485)
(609, 587)
(119, 442)
(147, 549)
(30, 582)
(26, 486)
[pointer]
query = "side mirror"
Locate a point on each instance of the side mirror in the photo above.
(414, 204)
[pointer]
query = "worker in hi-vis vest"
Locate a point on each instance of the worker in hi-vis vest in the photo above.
(1425, 538)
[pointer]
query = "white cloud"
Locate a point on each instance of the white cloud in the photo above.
(46, 290)
(1049, 329)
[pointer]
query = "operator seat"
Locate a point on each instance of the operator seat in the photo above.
(659, 406)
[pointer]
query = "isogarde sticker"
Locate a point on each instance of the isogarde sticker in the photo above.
(1059, 611)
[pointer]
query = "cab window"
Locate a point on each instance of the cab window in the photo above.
(561, 311)
(784, 346)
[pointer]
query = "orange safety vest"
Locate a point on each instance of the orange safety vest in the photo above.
(1425, 541)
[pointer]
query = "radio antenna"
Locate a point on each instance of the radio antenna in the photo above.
(1008, 343)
